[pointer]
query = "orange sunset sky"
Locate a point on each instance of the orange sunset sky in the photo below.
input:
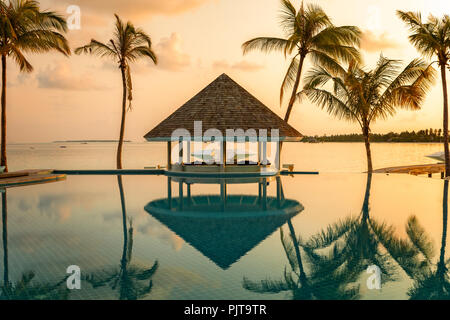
(196, 40)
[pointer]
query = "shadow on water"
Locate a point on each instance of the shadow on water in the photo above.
(26, 288)
(224, 227)
(131, 281)
(329, 264)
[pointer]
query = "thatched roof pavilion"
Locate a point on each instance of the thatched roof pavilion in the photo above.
(221, 106)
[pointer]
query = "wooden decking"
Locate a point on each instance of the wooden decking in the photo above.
(27, 177)
(428, 169)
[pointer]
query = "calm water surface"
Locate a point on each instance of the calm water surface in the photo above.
(323, 157)
(346, 221)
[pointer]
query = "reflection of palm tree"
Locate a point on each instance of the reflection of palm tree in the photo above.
(25, 288)
(319, 284)
(353, 243)
(430, 282)
(128, 277)
(351, 246)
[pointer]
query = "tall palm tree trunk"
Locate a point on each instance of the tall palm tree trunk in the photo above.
(122, 124)
(3, 121)
(368, 152)
(294, 89)
(5, 240)
(445, 120)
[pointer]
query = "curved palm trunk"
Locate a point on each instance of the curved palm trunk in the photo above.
(441, 268)
(122, 124)
(365, 208)
(297, 253)
(3, 121)
(294, 89)
(445, 121)
(368, 152)
(5, 241)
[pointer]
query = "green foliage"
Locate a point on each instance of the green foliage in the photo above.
(25, 28)
(27, 289)
(428, 135)
(308, 32)
(128, 45)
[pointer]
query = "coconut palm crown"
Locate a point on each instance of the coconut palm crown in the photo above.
(24, 28)
(308, 32)
(365, 96)
(432, 40)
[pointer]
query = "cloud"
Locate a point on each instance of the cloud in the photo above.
(242, 65)
(138, 8)
(376, 42)
(60, 76)
(170, 53)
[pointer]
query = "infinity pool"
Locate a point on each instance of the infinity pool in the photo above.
(317, 244)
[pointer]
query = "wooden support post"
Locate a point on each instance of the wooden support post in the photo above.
(180, 151)
(223, 154)
(264, 200)
(223, 194)
(188, 151)
(259, 152)
(264, 152)
(169, 192)
(430, 174)
(188, 192)
(278, 192)
(169, 155)
(180, 195)
(278, 156)
(442, 174)
(259, 192)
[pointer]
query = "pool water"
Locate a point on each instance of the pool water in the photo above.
(343, 223)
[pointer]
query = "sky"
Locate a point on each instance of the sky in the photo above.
(79, 97)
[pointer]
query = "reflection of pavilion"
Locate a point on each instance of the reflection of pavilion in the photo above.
(223, 227)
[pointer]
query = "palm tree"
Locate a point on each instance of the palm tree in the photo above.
(433, 39)
(309, 32)
(24, 28)
(128, 45)
(133, 282)
(364, 96)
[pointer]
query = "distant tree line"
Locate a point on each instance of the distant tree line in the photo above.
(427, 135)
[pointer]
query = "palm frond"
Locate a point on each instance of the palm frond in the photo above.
(266, 44)
(333, 232)
(418, 237)
(265, 286)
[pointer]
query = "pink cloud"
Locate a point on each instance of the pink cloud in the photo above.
(376, 42)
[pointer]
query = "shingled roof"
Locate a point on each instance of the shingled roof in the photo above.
(223, 104)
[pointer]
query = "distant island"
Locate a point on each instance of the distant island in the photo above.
(87, 141)
(427, 135)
